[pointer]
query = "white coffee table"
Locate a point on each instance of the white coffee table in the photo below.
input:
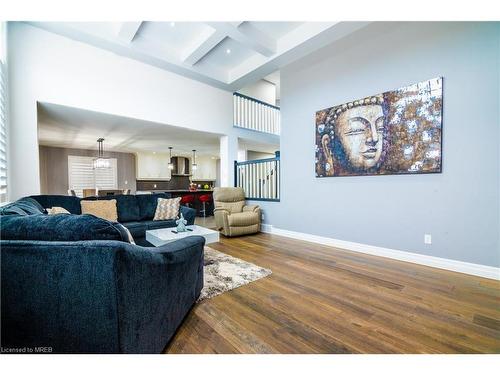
(162, 236)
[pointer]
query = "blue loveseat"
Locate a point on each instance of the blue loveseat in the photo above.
(73, 283)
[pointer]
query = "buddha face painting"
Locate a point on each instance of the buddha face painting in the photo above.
(360, 131)
(395, 132)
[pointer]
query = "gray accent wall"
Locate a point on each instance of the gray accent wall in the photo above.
(54, 168)
(458, 207)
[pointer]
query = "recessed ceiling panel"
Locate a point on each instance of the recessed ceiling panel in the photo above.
(275, 30)
(176, 35)
(227, 54)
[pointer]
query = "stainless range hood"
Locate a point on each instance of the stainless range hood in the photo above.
(182, 166)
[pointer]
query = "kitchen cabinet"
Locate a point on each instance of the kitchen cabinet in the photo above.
(152, 166)
(206, 169)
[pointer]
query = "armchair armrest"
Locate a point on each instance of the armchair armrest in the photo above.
(221, 219)
(251, 207)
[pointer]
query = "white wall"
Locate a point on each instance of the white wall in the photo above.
(49, 68)
(460, 206)
(262, 90)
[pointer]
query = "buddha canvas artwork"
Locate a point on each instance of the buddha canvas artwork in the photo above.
(397, 132)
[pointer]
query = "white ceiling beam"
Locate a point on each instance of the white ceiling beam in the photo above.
(128, 30)
(247, 35)
(203, 45)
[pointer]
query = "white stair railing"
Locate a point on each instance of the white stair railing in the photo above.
(259, 178)
(253, 114)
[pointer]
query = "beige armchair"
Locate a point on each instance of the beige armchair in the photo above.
(232, 216)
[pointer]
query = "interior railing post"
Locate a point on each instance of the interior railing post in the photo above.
(235, 173)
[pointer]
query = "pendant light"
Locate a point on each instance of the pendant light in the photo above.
(194, 166)
(101, 162)
(170, 164)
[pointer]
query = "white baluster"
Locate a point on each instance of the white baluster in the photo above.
(235, 100)
(238, 114)
(261, 116)
(247, 113)
(268, 117)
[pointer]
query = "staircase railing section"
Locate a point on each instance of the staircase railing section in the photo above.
(250, 113)
(259, 178)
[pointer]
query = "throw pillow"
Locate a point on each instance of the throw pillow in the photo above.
(167, 208)
(57, 210)
(104, 209)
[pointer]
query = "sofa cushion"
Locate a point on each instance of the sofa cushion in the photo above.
(243, 219)
(128, 208)
(137, 228)
(62, 227)
(147, 204)
(24, 206)
(103, 209)
(126, 205)
(72, 204)
(33, 203)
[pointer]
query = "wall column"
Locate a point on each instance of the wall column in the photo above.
(228, 154)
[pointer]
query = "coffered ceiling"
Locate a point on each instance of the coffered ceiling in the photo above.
(228, 55)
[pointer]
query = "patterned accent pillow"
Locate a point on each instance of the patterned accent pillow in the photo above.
(105, 209)
(167, 208)
(57, 210)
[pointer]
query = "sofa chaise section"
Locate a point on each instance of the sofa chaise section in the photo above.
(97, 296)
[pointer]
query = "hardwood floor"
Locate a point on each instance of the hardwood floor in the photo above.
(321, 299)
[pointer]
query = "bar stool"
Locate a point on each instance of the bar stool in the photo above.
(204, 199)
(187, 200)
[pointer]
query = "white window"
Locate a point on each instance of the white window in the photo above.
(82, 175)
(3, 114)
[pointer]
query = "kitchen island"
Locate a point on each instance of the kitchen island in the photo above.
(197, 205)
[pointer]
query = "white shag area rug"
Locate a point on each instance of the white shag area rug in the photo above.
(223, 272)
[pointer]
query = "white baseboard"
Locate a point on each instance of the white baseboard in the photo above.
(426, 260)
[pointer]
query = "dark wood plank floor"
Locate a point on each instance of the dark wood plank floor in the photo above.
(321, 299)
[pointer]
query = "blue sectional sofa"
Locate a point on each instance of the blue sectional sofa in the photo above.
(74, 284)
(135, 212)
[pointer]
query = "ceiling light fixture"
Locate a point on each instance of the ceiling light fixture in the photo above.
(172, 24)
(100, 162)
(194, 166)
(170, 164)
(228, 51)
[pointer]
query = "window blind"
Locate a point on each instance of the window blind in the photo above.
(3, 131)
(82, 175)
